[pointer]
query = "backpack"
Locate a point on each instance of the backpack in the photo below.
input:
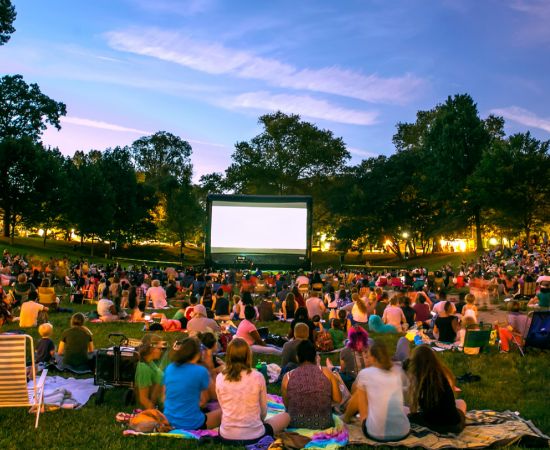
(150, 421)
(323, 342)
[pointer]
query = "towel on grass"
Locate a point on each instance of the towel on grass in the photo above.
(67, 393)
(483, 429)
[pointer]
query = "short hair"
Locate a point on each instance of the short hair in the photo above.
(208, 339)
(185, 350)
(156, 283)
(301, 331)
(45, 330)
(306, 352)
(22, 278)
(78, 319)
(470, 299)
(249, 312)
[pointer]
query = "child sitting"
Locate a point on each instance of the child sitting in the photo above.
(45, 349)
(337, 333)
(468, 323)
(470, 309)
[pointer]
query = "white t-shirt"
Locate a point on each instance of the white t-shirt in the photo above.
(29, 314)
(386, 419)
(358, 316)
(302, 279)
(243, 404)
(315, 307)
(104, 307)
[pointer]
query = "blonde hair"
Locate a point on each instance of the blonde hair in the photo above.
(156, 283)
(394, 300)
(237, 359)
(470, 299)
(359, 302)
(45, 330)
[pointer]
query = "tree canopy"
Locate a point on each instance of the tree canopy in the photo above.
(7, 17)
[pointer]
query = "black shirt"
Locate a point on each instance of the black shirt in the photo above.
(445, 327)
(44, 349)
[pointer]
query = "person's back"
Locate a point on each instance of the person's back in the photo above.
(265, 310)
(76, 341)
(309, 398)
(315, 306)
(29, 314)
(222, 306)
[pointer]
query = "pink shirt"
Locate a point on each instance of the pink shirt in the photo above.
(244, 329)
(393, 315)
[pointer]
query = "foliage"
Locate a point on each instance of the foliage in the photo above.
(7, 17)
(24, 110)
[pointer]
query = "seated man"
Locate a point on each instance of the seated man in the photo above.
(29, 311)
(156, 295)
(200, 322)
(289, 357)
(22, 288)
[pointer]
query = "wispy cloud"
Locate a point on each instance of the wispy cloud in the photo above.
(362, 153)
(179, 7)
(215, 58)
(299, 104)
(523, 117)
(535, 18)
(101, 125)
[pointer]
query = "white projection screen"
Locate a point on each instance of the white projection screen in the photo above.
(265, 229)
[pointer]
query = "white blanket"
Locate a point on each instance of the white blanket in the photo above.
(68, 393)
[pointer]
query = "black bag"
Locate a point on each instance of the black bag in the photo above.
(78, 298)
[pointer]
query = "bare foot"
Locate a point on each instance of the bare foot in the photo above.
(329, 364)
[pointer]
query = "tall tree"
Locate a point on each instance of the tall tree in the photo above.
(25, 111)
(286, 158)
(7, 17)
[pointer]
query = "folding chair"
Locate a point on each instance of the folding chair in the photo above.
(478, 338)
(14, 391)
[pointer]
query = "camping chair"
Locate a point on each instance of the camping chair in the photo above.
(14, 391)
(478, 338)
(303, 289)
(46, 296)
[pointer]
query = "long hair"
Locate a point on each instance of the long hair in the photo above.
(148, 343)
(428, 376)
(290, 302)
(237, 359)
(360, 304)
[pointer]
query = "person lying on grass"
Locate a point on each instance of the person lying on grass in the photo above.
(148, 379)
(186, 384)
(242, 396)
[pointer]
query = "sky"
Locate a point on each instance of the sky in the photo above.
(206, 70)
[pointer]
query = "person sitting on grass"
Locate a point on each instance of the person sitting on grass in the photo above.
(515, 329)
(377, 326)
(446, 324)
(242, 395)
(470, 308)
(186, 384)
(29, 311)
(359, 311)
(156, 295)
(45, 349)
(248, 331)
(432, 400)
(353, 357)
(542, 299)
(76, 348)
(337, 334)
(200, 322)
(106, 309)
(309, 391)
(289, 356)
(378, 397)
(300, 316)
(393, 315)
(148, 378)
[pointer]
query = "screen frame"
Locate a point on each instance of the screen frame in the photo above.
(279, 259)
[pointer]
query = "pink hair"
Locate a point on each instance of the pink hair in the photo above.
(358, 339)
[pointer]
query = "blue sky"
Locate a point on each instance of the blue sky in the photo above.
(207, 69)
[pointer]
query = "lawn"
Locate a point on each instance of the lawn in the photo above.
(507, 382)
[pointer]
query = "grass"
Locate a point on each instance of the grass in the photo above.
(507, 382)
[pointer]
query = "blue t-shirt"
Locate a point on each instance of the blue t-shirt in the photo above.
(184, 384)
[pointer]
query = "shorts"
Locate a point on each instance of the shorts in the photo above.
(366, 433)
(268, 431)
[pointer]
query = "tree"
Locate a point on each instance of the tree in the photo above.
(286, 158)
(7, 17)
(19, 180)
(512, 180)
(25, 111)
(184, 214)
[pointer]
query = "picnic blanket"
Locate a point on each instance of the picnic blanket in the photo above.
(483, 429)
(67, 393)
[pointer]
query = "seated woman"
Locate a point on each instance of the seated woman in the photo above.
(516, 328)
(432, 401)
(148, 379)
(75, 350)
(106, 309)
(186, 385)
(359, 311)
(379, 397)
(248, 331)
(289, 306)
(309, 391)
(353, 358)
(377, 326)
(242, 395)
(542, 299)
(393, 315)
(446, 324)
(301, 316)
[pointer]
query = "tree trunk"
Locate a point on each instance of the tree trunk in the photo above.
(7, 218)
(182, 246)
(45, 237)
(479, 240)
(92, 250)
(81, 240)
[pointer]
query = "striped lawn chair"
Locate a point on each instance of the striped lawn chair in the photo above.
(14, 391)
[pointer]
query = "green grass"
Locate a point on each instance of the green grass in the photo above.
(507, 382)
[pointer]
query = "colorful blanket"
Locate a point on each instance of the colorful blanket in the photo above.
(483, 429)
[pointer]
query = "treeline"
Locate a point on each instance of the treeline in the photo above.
(450, 170)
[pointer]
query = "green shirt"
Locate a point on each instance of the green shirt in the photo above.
(76, 341)
(179, 315)
(148, 374)
(338, 337)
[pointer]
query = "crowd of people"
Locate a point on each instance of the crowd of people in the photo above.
(326, 311)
